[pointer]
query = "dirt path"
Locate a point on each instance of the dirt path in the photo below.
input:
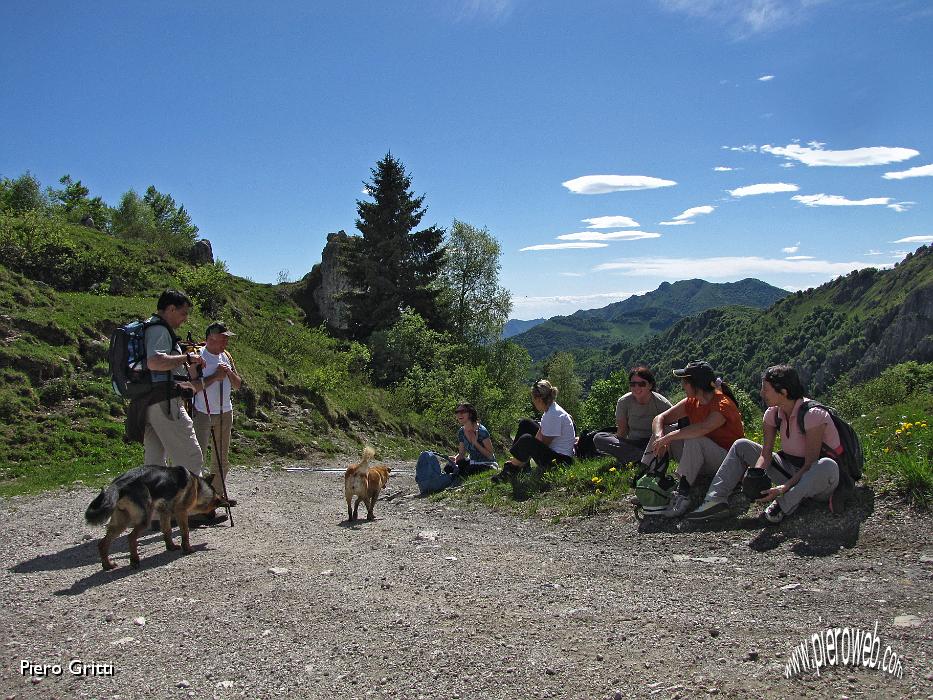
(430, 601)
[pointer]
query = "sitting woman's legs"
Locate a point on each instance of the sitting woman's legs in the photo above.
(742, 455)
(624, 451)
(698, 456)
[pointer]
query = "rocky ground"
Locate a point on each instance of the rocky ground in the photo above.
(432, 601)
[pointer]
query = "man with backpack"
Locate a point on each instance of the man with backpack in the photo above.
(167, 429)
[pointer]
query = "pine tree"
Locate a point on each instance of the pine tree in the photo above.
(393, 265)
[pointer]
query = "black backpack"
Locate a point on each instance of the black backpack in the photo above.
(585, 449)
(129, 375)
(851, 461)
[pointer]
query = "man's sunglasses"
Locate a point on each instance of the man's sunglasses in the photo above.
(638, 383)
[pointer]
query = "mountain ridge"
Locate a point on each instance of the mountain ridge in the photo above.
(633, 319)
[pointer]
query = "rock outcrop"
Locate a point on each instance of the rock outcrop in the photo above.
(322, 292)
(202, 253)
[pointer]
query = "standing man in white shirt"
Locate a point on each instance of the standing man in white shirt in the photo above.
(213, 409)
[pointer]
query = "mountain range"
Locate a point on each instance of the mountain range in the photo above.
(638, 317)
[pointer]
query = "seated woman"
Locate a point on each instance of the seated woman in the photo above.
(476, 451)
(798, 469)
(634, 413)
(551, 440)
(700, 447)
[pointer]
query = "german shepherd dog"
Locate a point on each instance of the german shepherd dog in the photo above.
(134, 497)
(364, 482)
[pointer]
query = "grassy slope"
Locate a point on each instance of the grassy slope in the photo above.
(60, 422)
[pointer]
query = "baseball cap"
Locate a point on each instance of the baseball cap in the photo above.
(218, 327)
(700, 370)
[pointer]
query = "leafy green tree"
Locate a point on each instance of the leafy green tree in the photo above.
(170, 218)
(134, 218)
(479, 307)
(22, 194)
(394, 265)
(560, 372)
(73, 202)
(406, 344)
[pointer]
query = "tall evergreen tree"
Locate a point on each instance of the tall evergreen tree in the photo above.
(394, 266)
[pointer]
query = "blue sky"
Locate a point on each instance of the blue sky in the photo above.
(787, 140)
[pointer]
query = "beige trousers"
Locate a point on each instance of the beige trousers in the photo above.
(170, 435)
(210, 428)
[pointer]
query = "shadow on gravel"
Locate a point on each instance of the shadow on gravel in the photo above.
(102, 578)
(78, 555)
(815, 531)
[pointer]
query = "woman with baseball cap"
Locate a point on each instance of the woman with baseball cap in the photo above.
(700, 446)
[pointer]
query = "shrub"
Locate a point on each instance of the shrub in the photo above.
(207, 285)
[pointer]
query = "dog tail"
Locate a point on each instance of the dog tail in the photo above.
(368, 454)
(101, 507)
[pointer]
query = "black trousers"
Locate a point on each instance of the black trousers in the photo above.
(526, 446)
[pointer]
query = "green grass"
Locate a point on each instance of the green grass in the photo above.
(584, 488)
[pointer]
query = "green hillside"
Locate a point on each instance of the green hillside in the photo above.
(64, 288)
(633, 319)
(848, 330)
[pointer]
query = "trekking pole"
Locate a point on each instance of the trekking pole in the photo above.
(217, 453)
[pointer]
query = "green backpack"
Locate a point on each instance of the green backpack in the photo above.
(654, 488)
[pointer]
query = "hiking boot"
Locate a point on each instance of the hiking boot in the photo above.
(773, 513)
(679, 505)
(709, 510)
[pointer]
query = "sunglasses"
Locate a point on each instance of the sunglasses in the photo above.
(638, 383)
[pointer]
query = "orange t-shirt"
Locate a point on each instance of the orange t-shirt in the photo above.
(725, 434)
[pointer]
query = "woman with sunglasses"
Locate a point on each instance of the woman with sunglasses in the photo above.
(634, 413)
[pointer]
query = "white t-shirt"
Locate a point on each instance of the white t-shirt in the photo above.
(218, 403)
(557, 423)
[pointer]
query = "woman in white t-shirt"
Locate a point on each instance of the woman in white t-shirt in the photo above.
(551, 440)
(803, 468)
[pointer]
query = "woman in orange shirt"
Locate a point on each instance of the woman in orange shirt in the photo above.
(700, 446)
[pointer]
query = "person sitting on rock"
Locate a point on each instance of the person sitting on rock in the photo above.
(798, 470)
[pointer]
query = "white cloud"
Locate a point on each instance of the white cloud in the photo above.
(563, 246)
(608, 236)
(723, 169)
(799, 257)
(901, 206)
(747, 148)
(787, 165)
(915, 239)
(560, 304)
(874, 252)
(485, 9)
(682, 222)
(724, 267)
(601, 184)
(791, 249)
(747, 17)
(835, 200)
(766, 78)
(694, 212)
(919, 171)
(571, 274)
(763, 188)
(815, 155)
(611, 222)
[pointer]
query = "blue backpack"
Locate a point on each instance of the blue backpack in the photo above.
(429, 474)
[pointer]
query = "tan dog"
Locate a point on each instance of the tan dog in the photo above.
(133, 498)
(364, 482)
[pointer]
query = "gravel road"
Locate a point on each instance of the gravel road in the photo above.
(434, 601)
